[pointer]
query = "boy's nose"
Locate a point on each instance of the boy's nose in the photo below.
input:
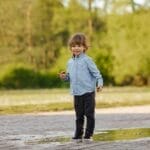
(76, 47)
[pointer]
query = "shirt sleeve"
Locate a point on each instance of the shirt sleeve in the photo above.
(95, 72)
(67, 76)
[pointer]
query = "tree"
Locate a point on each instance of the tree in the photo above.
(90, 23)
(45, 46)
(28, 31)
(12, 43)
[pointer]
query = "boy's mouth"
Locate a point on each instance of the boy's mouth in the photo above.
(76, 53)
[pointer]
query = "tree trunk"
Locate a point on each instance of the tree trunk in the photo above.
(105, 6)
(90, 18)
(133, 5)
(28, 28)
(148, 81)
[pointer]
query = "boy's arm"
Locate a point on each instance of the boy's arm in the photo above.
(96, 73)
(67, 74)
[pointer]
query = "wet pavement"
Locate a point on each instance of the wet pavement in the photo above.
(33, 132)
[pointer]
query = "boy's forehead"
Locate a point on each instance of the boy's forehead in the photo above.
(77, 45)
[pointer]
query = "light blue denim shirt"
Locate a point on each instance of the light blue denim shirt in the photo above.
(83, 75)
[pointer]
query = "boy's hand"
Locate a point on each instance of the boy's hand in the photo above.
(62, 75)
(99, 88)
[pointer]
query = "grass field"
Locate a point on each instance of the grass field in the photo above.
(44, 100)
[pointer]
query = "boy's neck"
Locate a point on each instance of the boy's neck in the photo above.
(77, 56)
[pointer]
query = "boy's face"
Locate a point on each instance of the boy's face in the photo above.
(77, 50)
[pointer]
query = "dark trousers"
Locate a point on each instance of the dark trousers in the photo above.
(85, 107)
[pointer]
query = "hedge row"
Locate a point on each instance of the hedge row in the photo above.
(19, 78)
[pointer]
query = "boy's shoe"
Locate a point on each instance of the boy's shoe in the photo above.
(77, 139)
(88, 140)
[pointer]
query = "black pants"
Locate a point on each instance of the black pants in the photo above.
(85, 107)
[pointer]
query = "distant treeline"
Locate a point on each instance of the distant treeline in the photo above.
(34, 36)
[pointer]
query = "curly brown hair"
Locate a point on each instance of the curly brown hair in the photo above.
(78, 39)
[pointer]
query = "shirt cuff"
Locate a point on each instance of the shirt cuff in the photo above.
(100, 83)
(67, 78)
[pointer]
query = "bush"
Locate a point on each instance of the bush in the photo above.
(105, 65)
(19, 78)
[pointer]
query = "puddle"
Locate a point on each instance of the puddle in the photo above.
(105, 135)
(54, 140)
(50, 140)
(122, 134)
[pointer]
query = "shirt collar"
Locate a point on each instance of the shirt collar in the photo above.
(79, 56)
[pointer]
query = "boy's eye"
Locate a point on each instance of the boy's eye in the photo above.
(76, 46)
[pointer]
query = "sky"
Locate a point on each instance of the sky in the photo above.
(100, 2)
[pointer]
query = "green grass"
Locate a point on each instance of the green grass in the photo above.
(29, 101)
(122, 134)
(35, 108)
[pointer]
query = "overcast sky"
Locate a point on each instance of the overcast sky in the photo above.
(100, 2)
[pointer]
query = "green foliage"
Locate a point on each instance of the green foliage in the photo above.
(105, 65)
(119, 41)
(45, 38)
(26, 78)
(19, 78)
(33, 36)
(129, 37)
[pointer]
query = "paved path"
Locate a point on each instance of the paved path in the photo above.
(20, 132)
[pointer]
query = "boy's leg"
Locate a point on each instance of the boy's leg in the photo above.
(79, 110)
(89, 108)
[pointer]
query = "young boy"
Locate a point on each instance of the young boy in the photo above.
(83, 76)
